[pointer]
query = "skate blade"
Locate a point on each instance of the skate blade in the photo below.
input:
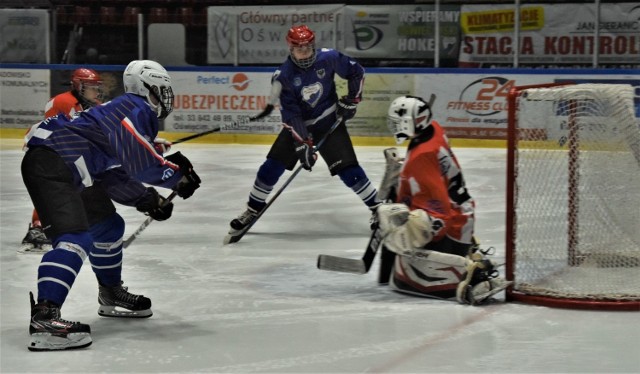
(29, 248)
(484, 297)
(118, 312)
(47, 342)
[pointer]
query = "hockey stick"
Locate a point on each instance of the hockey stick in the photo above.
(386, 194)
(146, 223)
(353, 265)
(234, 238)
(267, 110)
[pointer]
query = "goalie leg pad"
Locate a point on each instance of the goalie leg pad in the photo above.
(429, 274)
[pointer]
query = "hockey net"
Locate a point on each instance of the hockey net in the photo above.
(573, 196)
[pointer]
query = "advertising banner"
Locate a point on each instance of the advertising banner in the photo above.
(470, 105)
(257, 34)
(550, 34)
(475, 106)
(24, 35)
(206, 100)
(379, 91)
(23, 95)
(400, 31)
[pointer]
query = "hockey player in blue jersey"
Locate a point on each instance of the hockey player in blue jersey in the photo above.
(111, 144)
(310, 106)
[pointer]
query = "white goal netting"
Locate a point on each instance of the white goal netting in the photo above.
(576, 184)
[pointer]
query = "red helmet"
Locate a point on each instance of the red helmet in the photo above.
(299, 36)
(302, 36)
(85, 77)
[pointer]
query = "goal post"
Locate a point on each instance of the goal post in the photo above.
(573, 196)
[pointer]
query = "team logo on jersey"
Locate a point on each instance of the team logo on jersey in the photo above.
(321, 73)
(297, 81)
(167, 173)
(311, 94)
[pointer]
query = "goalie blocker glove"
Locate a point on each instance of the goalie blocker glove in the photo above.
(190, 181)
(154, 205)
(305, 153)
(347, 108)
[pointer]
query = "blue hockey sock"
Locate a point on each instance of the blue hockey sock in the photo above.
(268, 174)
(60, 266)
(356, 179)
(106, 252)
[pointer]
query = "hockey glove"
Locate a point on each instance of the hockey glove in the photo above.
(154, 205)
(347, 108)
(190, 181)
(306, 155)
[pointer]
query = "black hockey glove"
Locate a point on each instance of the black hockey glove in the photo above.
(305, 153)
(347, 108)
(154, 205)
(190, 181)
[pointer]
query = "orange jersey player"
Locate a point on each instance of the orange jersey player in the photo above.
(431, 180)
(428, 244)
(86, 91)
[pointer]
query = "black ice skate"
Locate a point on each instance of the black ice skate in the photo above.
(35, 241)
(118, 302)
(240, 225)
(243, 220)
(49, 332)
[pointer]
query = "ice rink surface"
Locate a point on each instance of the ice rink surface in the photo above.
(261, 305)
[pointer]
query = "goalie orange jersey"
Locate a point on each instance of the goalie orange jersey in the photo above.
(431, 179)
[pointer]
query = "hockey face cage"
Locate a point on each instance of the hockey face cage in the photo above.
(302, 38)
(149, 79)
(407, 116)
(164, 96)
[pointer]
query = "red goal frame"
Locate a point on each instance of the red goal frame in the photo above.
(511, 251)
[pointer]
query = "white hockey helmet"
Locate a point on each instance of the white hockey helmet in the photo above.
(149, 79)
(407, 116)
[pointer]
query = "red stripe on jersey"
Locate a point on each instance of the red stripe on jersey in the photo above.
(128, 125)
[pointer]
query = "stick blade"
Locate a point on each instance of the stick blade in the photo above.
(341, 264)
(229, 239)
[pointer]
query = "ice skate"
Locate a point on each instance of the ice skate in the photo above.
(35, 241)
(118, 302)
(481, 282)
(49, 332)
(243, 220)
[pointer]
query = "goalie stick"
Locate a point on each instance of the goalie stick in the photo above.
(386, 193)
(235, 237)
(353, 265)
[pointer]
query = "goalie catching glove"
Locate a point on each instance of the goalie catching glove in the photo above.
(190, 181)
(154, 205)
(405, 231)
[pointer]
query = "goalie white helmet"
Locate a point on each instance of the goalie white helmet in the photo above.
(407, 116)
(150, 80)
